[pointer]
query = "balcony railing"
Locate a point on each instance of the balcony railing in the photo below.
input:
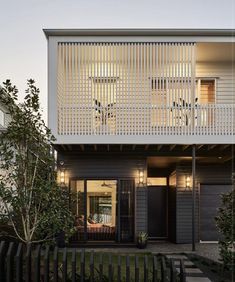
(146, 120)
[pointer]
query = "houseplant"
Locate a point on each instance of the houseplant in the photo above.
(142, 240)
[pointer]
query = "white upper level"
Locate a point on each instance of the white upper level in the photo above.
(141, 86)
(4, 117)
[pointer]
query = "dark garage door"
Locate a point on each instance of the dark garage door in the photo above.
(210, 201)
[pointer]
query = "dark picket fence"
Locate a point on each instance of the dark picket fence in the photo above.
(34, 263)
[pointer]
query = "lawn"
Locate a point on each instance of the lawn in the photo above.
(118, 265)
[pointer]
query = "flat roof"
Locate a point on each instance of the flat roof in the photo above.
(139, 32)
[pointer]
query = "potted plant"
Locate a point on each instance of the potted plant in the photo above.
(142, 240)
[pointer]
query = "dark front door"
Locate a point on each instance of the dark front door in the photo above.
(126, 210)
(157, 212)
(210, 201)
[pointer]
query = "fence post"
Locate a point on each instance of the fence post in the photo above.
(101, 266)
(110, 268)
(37, 263)
(145, 268)
(10, 262)
(163, 270)
(119, 269)
(28, 263)
(55, 264)
(182, 271)
(19, 262)
(3, 250)
(64, 265)
(155, 269)
(46, 264)
(173, 270)
(137, 272)
(92, 266)
(74, 273)
(82, 263)
(127, 268)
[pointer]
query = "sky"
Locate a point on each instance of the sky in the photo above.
(23, 46)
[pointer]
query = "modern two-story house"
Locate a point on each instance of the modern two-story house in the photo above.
(144, 123)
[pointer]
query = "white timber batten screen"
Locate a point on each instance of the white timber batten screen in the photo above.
(133, 89)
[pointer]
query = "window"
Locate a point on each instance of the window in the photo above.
(206, 90)
(2, 121)
(156, 181)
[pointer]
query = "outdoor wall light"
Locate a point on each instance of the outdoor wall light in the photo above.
(62, 177)
(188, 182)
(141, 177)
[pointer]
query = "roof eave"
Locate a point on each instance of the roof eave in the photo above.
(139, 32)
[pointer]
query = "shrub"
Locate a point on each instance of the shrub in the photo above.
(225, 222)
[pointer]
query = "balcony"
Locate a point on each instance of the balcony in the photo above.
(141, 93)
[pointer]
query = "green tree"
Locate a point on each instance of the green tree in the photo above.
(32, 203)
(225, 222)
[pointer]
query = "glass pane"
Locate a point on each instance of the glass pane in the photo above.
(78, 207)
(156, 181)
(127, 210)
(101, 209)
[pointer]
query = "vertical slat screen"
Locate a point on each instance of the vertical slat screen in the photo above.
(131, 89)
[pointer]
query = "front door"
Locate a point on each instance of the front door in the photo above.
(104, 209)
(157, 212)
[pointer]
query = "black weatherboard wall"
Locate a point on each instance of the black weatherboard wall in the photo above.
(212, 174)
(113, 167)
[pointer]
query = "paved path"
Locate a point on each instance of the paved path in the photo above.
(193, 274)
(208, 250)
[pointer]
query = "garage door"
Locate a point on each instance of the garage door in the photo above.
(210, 201)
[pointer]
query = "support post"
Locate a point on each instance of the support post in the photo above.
(193, 194)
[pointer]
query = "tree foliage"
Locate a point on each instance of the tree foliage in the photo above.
(32, 202)
(225, 222)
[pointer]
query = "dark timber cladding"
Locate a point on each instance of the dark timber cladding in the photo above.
(221, 175)
(122, 162)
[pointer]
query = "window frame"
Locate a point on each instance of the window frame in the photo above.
(198, 87)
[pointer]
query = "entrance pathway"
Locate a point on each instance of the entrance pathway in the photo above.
(208, 250)
(193, 274)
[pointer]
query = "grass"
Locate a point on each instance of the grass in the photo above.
(106, 262)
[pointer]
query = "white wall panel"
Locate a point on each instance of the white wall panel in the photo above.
(125, 88)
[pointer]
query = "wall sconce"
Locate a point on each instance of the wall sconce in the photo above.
(62, 177)
(141, 177)
(188, 182)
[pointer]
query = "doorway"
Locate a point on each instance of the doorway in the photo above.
(157, 212)
(103, 208)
